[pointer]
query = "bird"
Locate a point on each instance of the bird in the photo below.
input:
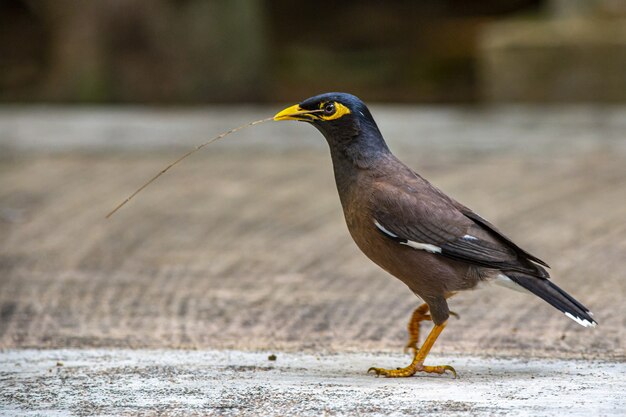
(435, 245)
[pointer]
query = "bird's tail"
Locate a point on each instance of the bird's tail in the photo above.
(556, 297)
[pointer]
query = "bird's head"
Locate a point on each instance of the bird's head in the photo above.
(336, 115)
(347, 125)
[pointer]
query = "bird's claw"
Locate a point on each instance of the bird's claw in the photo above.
(377, 371)
(393, 373)
(451, 369)
(412, 370)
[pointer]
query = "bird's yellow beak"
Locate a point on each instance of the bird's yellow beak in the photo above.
(295, 112)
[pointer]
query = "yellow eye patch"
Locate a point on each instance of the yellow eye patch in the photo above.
(340, 111)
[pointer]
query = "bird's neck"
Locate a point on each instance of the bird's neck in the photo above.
(360, 148)
(355, 156)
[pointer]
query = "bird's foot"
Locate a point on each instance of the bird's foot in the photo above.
(411, 370)
(417, 365)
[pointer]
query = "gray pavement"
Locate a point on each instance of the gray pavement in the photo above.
(233, 383)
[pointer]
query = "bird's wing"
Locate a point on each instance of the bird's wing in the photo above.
(420, 216)
(494, 230)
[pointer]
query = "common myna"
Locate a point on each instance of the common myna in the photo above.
(412, 230)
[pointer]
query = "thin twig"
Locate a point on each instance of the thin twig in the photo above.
(216, 138)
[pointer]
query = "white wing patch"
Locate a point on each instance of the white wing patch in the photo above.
(422, 246)
(470, 237)
(382, 229)
(415, 245)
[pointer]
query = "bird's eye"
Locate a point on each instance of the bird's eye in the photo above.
(329, 108)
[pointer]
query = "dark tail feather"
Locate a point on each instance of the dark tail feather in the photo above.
(555, 296)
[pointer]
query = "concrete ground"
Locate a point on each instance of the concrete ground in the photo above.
(233, 383)
(241, 251)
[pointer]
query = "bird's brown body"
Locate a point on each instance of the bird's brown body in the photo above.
(431, 278)
(412, 230)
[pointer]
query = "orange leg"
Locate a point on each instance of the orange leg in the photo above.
(417, 365)
(420, 314)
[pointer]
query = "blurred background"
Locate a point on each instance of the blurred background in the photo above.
(514, 107)
(194, 51)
